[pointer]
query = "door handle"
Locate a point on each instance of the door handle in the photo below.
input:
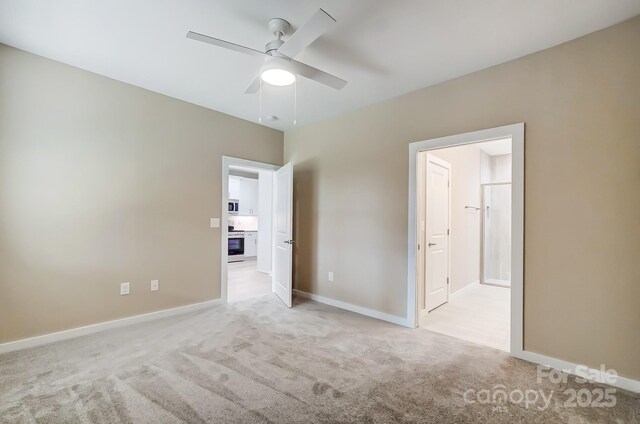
(289, 241)
(431, 244)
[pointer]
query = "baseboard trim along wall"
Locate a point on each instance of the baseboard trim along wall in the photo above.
(94, 328)
(595, 375)
(467, 287)
(557, 364)
(354, 308)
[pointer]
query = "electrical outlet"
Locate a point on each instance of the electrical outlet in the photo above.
(155, 285)
(214, 223)
(124, 289)
(330, 275)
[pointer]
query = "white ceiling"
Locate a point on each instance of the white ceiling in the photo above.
(383, 48)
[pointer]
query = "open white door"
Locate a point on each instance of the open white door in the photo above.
(437, 232)
(283, 225)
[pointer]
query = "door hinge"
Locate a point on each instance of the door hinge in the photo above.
(418, 246)
(447, 280)
(447, 231)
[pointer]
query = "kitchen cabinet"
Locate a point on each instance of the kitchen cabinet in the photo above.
(234, 187)
(248, 197)
(245, 190)
(250, 244)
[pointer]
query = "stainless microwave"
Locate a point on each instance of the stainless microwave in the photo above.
(234, 207)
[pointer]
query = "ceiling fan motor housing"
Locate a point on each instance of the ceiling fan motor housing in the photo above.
(278, 27)
(276, 62)
(272, 47)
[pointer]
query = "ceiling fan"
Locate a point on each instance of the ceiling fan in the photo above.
(279, 68)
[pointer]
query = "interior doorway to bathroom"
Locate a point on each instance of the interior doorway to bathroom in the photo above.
(464, 241)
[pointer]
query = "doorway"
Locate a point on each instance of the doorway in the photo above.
(466, 238)
(466, 218)
(256, 230)
(249, 232)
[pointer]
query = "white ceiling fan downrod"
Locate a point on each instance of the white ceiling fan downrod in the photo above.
(260, 103)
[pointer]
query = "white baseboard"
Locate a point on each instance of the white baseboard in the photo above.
(581, 371)
(497, 283)
(569, 367)
(558, 364)
(94, 328)
(465, 288)
(354, 308)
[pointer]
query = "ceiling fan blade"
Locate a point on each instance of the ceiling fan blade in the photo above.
(318, 75)
(307, 33)
(225, 44)
(254, 86)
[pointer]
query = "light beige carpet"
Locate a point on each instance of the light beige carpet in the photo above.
(257, 361)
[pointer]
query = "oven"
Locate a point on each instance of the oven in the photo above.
(235, 244)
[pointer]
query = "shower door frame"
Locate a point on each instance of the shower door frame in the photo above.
(482, 233)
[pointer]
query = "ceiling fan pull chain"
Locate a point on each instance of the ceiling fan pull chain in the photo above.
(260, 103)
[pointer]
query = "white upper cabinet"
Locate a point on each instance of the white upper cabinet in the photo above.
(248, 197)
(245, 190)
(234, 187)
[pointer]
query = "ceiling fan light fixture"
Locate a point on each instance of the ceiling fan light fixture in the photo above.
(276, 71)
(279, 77)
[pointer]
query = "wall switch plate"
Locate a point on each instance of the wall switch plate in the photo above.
(215, 223)
(155, 285)
(331, 276)
(124, 289)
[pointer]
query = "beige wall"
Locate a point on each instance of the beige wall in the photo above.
(101, 183)
(465, 224)
(581, 105)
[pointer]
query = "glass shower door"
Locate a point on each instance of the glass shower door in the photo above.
(496, 234)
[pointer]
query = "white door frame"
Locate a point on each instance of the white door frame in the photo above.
(224, 220)
(516, 132)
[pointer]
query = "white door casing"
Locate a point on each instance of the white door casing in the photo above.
(436, 249)
(421, 227)
(283, 228)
